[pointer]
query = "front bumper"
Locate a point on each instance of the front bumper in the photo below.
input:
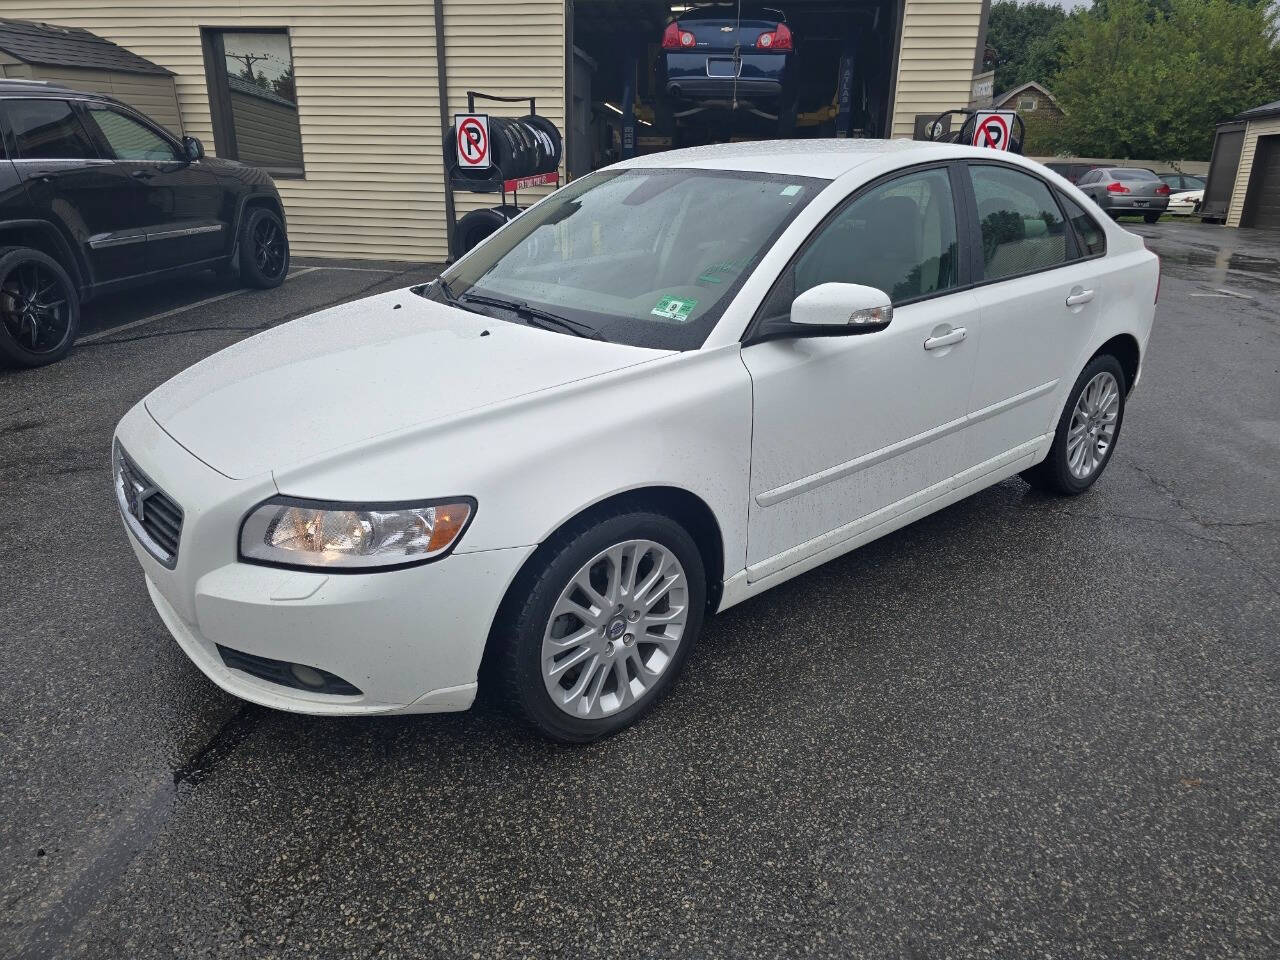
(410, 640)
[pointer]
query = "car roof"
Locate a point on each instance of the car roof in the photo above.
(825, 159)
(42, 88)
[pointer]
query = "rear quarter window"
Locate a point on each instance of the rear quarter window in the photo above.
(1093, 241)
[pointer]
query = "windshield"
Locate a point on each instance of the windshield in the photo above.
(649, 258)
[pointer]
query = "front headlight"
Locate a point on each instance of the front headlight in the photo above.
(287, 532)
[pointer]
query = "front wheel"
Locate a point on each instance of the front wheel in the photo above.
(264, 249)
(603, 626)
(1087, 433)
(39, 308)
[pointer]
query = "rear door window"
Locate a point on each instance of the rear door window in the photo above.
(48, 130)
(127, 138)
(1022, 226)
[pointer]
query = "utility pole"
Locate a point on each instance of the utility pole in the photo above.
(249, 59)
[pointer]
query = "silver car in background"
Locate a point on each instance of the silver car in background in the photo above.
(1126, 190)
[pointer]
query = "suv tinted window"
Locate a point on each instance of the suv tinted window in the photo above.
(48, 130)
(126, 138)
(1092, 239)
(899, 237)
(1022, 226)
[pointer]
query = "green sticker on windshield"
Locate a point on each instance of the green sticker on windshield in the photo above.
(791, 191)
(673, 308)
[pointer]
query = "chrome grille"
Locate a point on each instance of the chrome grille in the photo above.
(149, 513)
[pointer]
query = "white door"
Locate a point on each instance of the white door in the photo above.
(1040, 295)
(846, 426)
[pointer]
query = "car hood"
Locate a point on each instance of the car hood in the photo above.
(361, 370)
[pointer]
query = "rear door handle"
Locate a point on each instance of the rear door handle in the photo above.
(1075, 299)
(45, 176)
(143, 174)
(947, 339)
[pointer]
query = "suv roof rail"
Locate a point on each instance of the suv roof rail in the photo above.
(18, 80)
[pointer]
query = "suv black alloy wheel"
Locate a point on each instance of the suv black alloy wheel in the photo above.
(39, 308)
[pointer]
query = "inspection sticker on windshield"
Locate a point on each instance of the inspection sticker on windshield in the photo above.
(791, 191)
(673, 308)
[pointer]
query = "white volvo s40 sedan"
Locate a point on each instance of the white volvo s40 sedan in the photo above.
(669, 386)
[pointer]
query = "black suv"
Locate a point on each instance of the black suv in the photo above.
(95, 197)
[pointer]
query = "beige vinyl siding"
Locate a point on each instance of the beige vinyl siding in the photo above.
(935, 64)
(1248, 151)
(151, 93)
(367, 97)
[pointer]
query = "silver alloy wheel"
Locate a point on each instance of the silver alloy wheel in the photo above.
(1093, 426)
(614, 629)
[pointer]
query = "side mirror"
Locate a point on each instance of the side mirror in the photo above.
(193, 148)
(840, 309)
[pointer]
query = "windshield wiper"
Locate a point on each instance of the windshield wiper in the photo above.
(545, 319)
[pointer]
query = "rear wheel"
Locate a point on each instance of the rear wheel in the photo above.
(39, 308)
(1150, 217)
(264, 249)
(1087, 433)
(603, 627)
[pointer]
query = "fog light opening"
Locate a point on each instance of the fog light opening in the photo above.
(307, 676)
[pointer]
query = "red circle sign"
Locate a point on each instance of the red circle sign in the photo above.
(473, 143)
(992, 132)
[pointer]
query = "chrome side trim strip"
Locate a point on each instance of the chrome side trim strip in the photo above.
(100, 243)
(841, 470)
(186, 232)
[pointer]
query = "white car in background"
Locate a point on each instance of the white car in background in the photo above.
(1187, 202)
(667, 387)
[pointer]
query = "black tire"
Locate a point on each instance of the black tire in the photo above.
(33, 334)
(264, 249)
(1053, 474)
(1113, 215)
(518, 632)
(476, 225)
(1150, 217)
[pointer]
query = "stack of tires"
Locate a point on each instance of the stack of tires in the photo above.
(518, 147)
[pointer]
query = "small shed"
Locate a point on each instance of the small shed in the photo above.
(1255, 193)
(1029, 98)
(82, 60)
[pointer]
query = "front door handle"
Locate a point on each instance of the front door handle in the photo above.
(1075, 299)
(142, 174)
(947, 339)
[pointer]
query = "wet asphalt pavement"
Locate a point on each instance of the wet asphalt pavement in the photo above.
(1022, 727)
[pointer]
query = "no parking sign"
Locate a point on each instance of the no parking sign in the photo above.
(992, 129)
(473, 140)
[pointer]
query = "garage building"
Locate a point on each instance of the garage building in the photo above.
(1243, 189)
(350, 91)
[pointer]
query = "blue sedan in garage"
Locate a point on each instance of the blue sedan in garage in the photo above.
(715, 56)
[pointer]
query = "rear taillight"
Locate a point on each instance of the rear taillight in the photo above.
(1117, 188)
(777, 39)
(1163, 190)
(675, 38)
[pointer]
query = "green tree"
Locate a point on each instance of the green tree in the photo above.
(1024, 42)
(1137, 81)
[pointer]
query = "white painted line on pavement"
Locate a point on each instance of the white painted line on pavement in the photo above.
(112, 331)
(356, 269)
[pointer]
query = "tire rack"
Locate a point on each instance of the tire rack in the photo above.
(503, 185)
